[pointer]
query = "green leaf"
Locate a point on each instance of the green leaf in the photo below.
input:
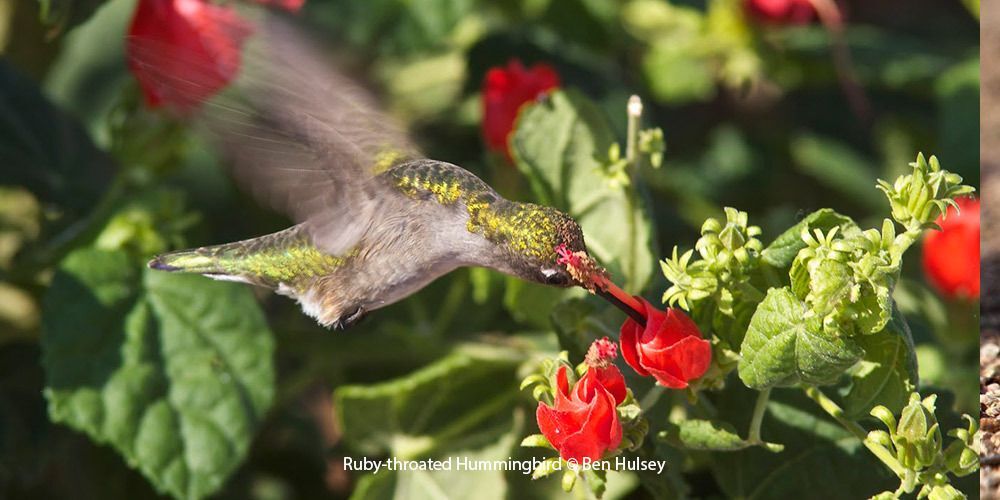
(887, 373)
(434, 408)
(173, 371)
(710, 435)
(873, 310)
(45, 150)
(782, 251)
(785, 347)
(560, 144)
(820, 456)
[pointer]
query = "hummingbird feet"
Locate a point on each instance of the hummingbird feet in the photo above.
(348, 320)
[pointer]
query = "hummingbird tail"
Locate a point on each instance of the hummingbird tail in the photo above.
(187, 261)
(285, 257)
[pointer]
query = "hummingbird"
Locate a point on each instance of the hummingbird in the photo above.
(375, 221)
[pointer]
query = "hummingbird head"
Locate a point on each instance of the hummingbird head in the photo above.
(568, 240)
(529, 236)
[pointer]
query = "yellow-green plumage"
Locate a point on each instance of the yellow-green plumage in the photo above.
(286, 257)
(524, 228)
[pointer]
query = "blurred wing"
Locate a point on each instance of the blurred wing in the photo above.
(300, 137)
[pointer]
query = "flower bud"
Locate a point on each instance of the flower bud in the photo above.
(945, 492)
(960, 459)
(917, 437)
(919, 198)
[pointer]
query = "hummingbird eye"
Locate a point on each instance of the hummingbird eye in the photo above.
(554, 277)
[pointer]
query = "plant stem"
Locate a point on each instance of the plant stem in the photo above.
(634, 111)
(832, 19)
(835, 411)
(651, 397)
(753, 435)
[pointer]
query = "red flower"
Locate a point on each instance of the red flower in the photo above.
(951, 255)
(289, 5)
(583, 423)
(184, 51)
(781, 11)
(505, 90)
(600, 360)
(669, 347)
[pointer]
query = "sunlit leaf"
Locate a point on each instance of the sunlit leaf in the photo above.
(784, 348)
(173, 372)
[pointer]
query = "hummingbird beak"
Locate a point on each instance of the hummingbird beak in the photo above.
(627, 309)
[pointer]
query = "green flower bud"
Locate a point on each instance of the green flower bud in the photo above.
(960, 459)
(651, 143)
(732, 246)
(917, 437)
(691, 281)
(945, 492)
(568, 480)
(881, 438)
(918, 199)
(960, 456)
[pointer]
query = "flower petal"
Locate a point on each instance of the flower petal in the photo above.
(628, 338)
(192, 42)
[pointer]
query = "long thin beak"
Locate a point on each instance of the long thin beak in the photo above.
(632, 313)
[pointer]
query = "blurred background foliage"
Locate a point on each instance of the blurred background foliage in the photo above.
(755, 116)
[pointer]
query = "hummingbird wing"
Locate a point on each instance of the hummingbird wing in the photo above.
(300, 137)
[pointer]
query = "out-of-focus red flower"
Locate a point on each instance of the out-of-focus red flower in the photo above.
(951, 255)
(781, 11)
(505, 90)
(669, 347)
(583, 423)
(184, 51)
(289, 5)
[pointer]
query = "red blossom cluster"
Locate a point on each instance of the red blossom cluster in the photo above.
(582, 424)
(666, 345)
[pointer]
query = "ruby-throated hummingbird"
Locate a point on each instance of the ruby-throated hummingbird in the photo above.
(376, 221)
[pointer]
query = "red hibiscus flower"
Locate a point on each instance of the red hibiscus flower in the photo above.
(781, 11)
(505, 90)
(600, 360)
(583, 422)
(184, 51)
(951, 255)
(669, 347)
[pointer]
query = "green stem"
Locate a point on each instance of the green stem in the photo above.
(753, 436)
(835, 411)
(651, 397)
(634, 110)
(906, 240)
